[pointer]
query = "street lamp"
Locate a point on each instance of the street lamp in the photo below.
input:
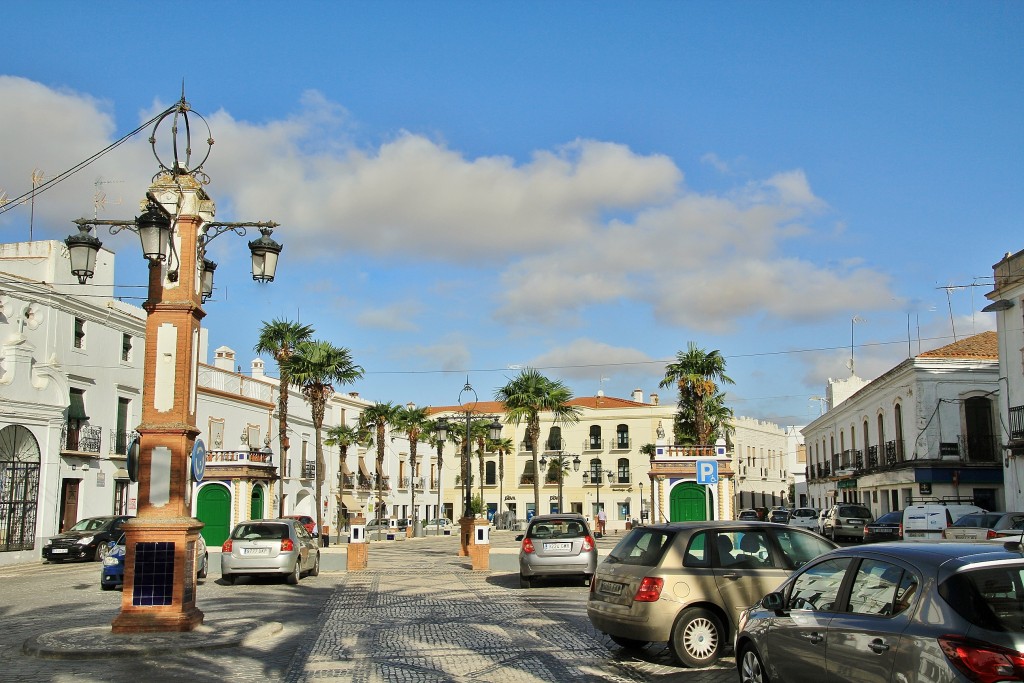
(174, 229)
(494, 434)
(596, 476)
(559, 462)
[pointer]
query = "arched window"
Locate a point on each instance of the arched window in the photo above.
(595, 437)
(19, 487)
(899, 432)
(554, 442)
(622, 437)
(623, 470)
(490, 473)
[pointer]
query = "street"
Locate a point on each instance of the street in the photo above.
(417, 613)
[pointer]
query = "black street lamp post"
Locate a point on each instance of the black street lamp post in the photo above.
(596, 475)
(559, 462)
(494, 434)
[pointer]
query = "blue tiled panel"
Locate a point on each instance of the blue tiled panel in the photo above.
(154, 574)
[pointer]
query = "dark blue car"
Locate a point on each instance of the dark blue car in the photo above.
(112, 574)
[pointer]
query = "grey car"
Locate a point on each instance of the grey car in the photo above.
(846, 520)
(270, 546)
(685, 583)
(981, 526)
(927, 612)
(556, 545)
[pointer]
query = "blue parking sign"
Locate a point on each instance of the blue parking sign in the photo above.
(707, 471)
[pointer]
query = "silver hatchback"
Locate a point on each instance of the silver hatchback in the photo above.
(556, 545)
(940, 612)
(270, 546)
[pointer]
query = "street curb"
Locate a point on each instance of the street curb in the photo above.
(98, 642)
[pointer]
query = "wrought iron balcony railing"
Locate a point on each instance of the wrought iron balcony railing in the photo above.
(119, 440)
(84, 439)
(1017, 423)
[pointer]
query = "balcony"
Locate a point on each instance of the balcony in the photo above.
(858, 460)
(119, 440)
(225, 458)
(872, 457)
(894, 452)
(308, 470)
(622, 478)
(550, 445)
(622, 443)
(982, 448)
(1017, 423)
(594, 443)
(82, 439)
(210, 377)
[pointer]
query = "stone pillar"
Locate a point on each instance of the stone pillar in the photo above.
(160, 580)
(479, 549)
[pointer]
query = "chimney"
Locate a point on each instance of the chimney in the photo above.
(257, 369)
(224, 359)
(654, 399)
(638, 395)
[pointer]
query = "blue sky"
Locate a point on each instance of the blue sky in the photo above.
(584, 187)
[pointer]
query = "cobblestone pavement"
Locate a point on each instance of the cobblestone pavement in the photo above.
(418, 613)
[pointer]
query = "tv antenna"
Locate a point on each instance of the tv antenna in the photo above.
(99, 198)
(37, 179)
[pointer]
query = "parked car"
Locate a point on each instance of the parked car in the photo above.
(86, 540)
(685, 583)
(556, 545)
(749, 515)
(439, 525)
(888, 527)
(112, 574)
(269, 546)
(980, 526)
(805, 518)
(923, 612)
(779, 516)
(821, 520)
(306, 521)
(927, 520)
(846, 520)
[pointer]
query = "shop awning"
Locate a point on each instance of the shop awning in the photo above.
(345, 470)
(76, 409)
(350, 504)
(362, 468)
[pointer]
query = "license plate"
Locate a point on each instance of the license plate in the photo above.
(915, 534)
(255, 551)
(58, 551)
(558, 546)
(855, 522)
(611, 588)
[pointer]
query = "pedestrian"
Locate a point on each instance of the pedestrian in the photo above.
(601, 519)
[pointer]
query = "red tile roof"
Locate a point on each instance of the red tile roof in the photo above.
(984, 345)
(593, 402)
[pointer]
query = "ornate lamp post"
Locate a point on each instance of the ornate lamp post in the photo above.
(175, 228)
(560, 463)
(596, 476)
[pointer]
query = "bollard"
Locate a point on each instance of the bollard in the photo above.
(358, 548)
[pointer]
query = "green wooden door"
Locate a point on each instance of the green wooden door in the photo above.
(256, 503)
(688, 503)
(213, 508)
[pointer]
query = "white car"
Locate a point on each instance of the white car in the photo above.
(805, 518)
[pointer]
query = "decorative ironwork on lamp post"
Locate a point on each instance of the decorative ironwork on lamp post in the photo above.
(175, 228)
(494, 433)
(559, 461)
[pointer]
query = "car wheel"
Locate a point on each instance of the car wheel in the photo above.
(628, 643)
(525, 581)
(832, 534)
(697, 638)
(315, 571)
(102, 550)
(229, 578)
(206, 567)
(296, 573)
(107, 586)
(751, 667)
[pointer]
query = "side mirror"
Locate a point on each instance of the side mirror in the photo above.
(774, 602)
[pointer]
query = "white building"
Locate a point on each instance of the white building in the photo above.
(762, 463)
(926, 429)
(1008, 305)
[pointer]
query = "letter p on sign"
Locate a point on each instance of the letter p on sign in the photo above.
(707, 471)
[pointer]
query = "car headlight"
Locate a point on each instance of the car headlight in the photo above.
(85, 540)
(111, 560)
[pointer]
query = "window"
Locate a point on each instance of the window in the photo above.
(126, 347)
(595, 437)
(817, 589)
(743, 550)
(623, 467)
(79, 340)
(121, 495)
(490, 473)
(622, 436)
(798, 548)
(874, 588)
(643, 547)
(554, 442)
(121, 432)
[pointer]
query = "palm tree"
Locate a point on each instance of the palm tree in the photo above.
(525, 397)
(479, 431)
(412, 421)
(315, 367)
(341, 436)
(435, 441)
(697, 374)
(374, 422)
(502, 447)
(278, 339)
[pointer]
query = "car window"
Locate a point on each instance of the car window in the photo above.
(817, 588)
(854, 511)
(978, 521)
(557, 528)
(991, 597)
(743, 549)
(799, 548)
(642, 547)
(697, 554)
(89, 525)
(890, 518)
(874, 588)
(257, 532)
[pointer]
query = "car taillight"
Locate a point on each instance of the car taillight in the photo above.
(649, 590)
(226, 548)
(588, 544)
(527, 545)
(990, 534)
(982, 662)
(901, 529)
(287, 546)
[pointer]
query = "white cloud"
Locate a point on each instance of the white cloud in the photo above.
(398, 317)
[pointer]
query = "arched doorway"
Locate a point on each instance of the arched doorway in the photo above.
(213, 508)
(256, 503)
(688, 501)
(19, 488)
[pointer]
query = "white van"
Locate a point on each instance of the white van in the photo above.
(929, 519)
